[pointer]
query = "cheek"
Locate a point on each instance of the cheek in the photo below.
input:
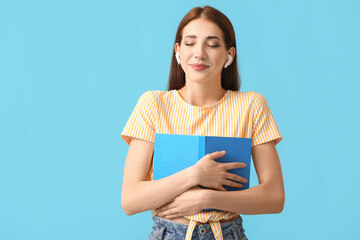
(218, 60)
(187, 58)
(218, 64)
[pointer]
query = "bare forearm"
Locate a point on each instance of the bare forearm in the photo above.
(260, 199)
(149, 195)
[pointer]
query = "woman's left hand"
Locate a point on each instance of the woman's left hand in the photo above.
(187, 203)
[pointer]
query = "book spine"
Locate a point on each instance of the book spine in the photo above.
(201, 147)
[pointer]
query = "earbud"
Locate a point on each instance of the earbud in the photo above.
(177, 57)
(228, 61)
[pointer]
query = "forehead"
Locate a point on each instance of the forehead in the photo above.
(201, 28)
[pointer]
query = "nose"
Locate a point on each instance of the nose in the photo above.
(199, 52)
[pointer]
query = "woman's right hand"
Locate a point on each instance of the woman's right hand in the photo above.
(212, 174)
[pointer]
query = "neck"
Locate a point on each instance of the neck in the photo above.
(200, 95)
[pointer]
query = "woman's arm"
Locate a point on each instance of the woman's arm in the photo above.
(267, 197)
(139, 195)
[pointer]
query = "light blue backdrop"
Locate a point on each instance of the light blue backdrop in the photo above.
(71, 73)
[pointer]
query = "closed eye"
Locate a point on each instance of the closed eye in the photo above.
(208, 45)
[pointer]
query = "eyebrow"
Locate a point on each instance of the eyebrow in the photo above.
(209, 37)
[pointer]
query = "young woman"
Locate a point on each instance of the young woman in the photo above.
(203, 98)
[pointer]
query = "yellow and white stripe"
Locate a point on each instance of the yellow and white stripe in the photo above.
(236, 114)
(212, 218)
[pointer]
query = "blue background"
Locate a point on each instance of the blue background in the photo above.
(71, 73)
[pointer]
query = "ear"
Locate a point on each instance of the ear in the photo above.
(177, 47)
(232, 52)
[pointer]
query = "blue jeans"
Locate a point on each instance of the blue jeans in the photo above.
(170, 230)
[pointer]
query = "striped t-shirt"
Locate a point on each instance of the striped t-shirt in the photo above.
(236, 114)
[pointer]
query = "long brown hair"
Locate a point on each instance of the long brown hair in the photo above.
(230, 79)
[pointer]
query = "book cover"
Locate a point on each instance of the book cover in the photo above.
(175, 152)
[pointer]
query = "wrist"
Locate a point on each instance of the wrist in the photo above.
(208, 195)
(194, 176)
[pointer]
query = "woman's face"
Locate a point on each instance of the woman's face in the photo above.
(202, 43)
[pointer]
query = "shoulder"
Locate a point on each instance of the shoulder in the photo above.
(149, 96)
(258, 99)
(259, 102)
(153, 97)
(247, 95)
(249, 99)
(145, 101)
(162, 93)
(146, 95)
(159, 95)
(257, 95)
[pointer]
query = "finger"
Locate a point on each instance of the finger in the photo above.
(221, 188)
(168, 212)
(174, 216)
(165, 207)
(160, 209)
(235, 177)
(215, 155)
(233, 184)
(234, 165)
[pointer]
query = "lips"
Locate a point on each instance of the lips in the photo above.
(197, 66)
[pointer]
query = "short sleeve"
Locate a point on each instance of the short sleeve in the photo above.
(264, 128)
(141, 123)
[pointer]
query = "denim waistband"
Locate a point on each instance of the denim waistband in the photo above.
(181, 227)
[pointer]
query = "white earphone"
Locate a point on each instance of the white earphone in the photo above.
(228, 61)
(177, 57)
(225, 66)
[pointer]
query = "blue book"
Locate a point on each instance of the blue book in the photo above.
(175, 152)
